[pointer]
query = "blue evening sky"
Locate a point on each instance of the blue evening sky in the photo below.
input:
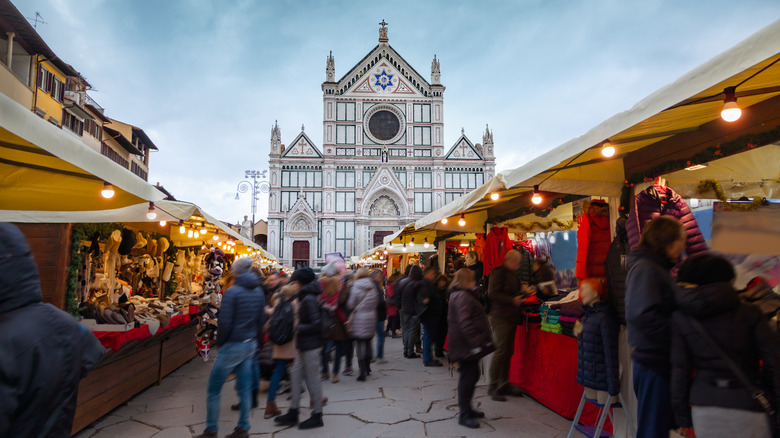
(207, 79)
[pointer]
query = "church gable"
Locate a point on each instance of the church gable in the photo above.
(301, 208)
(463, 149)
(384, 71)
(302, 147)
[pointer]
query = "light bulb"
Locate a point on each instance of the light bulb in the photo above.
(108, 191)
(151, 214)
(494, 196)
(411, 244)
(216, 237)
(404, 248)
(385, 251)
(607, 149)
(203, 247)
(182, 230)
(537, 198)
(444, 221)
(390, 245)
(731, 111)
(163, 223)
(189, 233)
(462, 220)
(426, 244)
(203, 229)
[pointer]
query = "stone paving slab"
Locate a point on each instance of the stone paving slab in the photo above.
(401, 399)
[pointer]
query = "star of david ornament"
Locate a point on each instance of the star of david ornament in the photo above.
(384, 80)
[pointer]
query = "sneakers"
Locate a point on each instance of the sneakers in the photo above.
(314, 421)
(335, 378)
(325, 376)
(495, 396)
(433, 363)
(348, 371)
(288, 419)
(238, 433)
(381, 361)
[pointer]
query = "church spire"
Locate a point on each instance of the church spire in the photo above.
(276, 138)
(435, 72)
(330, 68)
(383, 32)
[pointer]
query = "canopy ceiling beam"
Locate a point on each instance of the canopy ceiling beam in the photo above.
(49, 169)
(23, 148)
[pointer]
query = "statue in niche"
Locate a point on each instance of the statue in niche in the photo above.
(384, 207)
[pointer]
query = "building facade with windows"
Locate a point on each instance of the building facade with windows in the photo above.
(383, 163)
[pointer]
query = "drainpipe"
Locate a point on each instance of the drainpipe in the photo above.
(10, 51)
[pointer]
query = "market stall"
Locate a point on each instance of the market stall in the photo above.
(685, 139)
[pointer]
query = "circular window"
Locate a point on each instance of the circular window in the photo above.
(384, 124)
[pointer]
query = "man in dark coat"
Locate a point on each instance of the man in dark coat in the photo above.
(45, 352)
(411, 293)
(432, 311)
(241, 319)
(505, 297)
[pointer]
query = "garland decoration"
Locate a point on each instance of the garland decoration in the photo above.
(742, 144)
(710, 185)
(544, 226)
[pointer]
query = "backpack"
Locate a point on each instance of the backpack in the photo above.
(282, 328)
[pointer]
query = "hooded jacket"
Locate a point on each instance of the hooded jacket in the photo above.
(412, 292)
(593, 240)
(242, 313)
(649, 306)
(363, 300)
(45, 352)
(309, 335)
(597, 350)
(469, 334)
(739, 330)
(663, 201)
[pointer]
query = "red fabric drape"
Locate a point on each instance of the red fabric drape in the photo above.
(545, 365)
(114, 340)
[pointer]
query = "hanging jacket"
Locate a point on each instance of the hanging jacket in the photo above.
(479, 246)
(739, 330)
(593, 240)
(663, 201)
(615, 267)
(597, 350)
(45, 352)
(497, 244)
(649, 306)
(469, 334)
(526, 266)
(363, 300)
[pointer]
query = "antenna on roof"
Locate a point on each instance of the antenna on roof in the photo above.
(38, 19)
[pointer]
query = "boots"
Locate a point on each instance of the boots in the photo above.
(288, 419)
(314, 421)
(271, 410)
(363, 370)
(237, 406)
(465, 420)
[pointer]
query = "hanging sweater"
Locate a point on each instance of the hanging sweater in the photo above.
(657, 201)
(593, 240)
(496, 246)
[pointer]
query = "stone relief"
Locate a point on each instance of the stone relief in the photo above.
(301, 225)
(384, 207)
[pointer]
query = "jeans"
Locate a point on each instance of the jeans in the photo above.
(276, 378)
(504, 334)
(238, 358)
(255, 375)
(411, 323)
(654, 408)
(326, 355)
(380, 339)
(469, 376)
(337, 355)
(305, 368)
(428, 337)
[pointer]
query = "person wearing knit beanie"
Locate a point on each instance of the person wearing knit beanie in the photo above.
(303, 276)
(242, 266)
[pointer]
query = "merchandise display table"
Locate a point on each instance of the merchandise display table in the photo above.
(545, 366)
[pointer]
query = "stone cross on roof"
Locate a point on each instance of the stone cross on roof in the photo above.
(383, 32)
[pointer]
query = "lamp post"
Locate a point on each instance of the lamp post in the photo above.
(258, 185)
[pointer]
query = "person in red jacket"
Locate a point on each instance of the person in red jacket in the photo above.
(393, 318)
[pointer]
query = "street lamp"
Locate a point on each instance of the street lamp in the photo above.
(256, 186)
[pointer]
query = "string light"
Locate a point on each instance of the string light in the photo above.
(390, 245)
(411, 244)
(150, 213)
(163, 223)
(426, 244)
(536, 198)
(182, 230)
(203, 229)
(607, 150)
(494, 196)
(190, 233)
(462, 220)
(385, 252)
(731, 111)
(444, 221)
(216, 235)
(108, 191)
(404, 248)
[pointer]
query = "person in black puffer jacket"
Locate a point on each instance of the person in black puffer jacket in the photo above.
(45, 352)
(308, 340)
(715, 402)
(649, 306)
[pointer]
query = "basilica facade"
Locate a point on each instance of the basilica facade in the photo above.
(383, 161)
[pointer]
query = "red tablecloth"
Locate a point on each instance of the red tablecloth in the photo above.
(545, 365)
(114, 340)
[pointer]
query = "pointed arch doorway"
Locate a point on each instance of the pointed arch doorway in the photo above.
(300, 254)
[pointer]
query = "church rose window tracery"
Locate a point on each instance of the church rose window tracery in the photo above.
(384, 124)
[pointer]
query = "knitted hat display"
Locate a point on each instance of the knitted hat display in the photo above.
(162, 246)
(128, 241)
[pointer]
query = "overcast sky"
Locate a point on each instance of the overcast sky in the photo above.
(207, 79)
